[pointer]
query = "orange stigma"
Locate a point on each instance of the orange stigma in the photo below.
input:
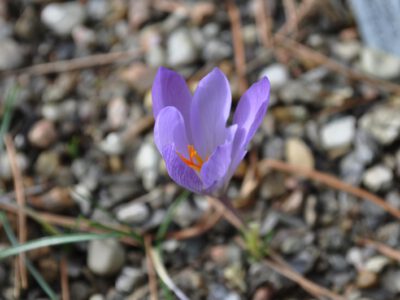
(195, 161)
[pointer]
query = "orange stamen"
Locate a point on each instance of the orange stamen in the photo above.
(195, 161)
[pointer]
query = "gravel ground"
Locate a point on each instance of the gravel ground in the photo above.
(82, 133)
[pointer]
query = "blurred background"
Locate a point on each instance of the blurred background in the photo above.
(77, 151)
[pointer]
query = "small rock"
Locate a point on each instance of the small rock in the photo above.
(378, 178)
(83, 37)
(134, 212)
(5, 167)
(274, 148)
(380, 64)
(181, 49)
(376, 263)
(43, 134)
(146, 164)
(298, 153)
(128, 279)
(382, 123)
(117, 113)
(27, 24)
(47, 164)
(186, 214)
(11, 55)
(391, 281)
(56, 200)
(63, 17)
(80, 290)
(112, 144)
(277, 74)
(82, 196)
(98, 9)
(216, 50)
(156, 56)
(300, 91)
(366, 279)
(105, 257)
(263, 293)
(348, 50)
(310, 210)
(393, 199)
(338, 133)
(97, 297)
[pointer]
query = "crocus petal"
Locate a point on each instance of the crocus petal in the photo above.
(210, 111)
(170, 89)
(179, 172)
(170, 129)
(214, 171)
(252, 108)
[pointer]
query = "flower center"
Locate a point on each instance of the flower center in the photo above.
(195, 161)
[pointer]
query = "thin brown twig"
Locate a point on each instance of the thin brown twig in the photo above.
(328, 180)
(264, 24)
(90, 61)
(291, 16)
(302, 11)
(382, 248)
(151, 273)
(238, 45)
(302, 52)
(64, 278)
(20, 197)
(309, 286)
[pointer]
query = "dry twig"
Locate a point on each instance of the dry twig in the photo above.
(382, 248)
(20, 197)
(309, 286)
(302, 52)
(238, 45)
(264, 24)
(328, 180)
(301, 12)
(91, 61)
(64, 278)
(150, 269)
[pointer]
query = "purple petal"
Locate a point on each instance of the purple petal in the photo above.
(170, 89)
(210, 111)
(252, 108)
(214, 171)
(179, 171)
(169, 129)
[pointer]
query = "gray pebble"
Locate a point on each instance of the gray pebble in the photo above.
(129, 279)
(63, 17)
(11, 54)
(105, 257)
(181, 49)
(134, 212)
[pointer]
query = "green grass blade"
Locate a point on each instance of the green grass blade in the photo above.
(54, 240)
(162, 230)
(7, 112)
(34, 272)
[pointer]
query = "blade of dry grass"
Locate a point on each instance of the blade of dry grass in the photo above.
(238, 45)
(328, 180)
(74, 64)
(150, 269)
(64, 278)
(382, 248)
(20, 197)
(309, 286)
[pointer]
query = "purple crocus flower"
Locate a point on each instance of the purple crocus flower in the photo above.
(201, 153)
